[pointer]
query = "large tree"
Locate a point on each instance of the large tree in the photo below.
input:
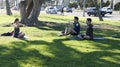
(97, 7)
(8, 11)
(30, 10)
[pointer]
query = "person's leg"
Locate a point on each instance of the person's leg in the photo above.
(21, 35)
(16, 33)
(6, 34)
(68, 31)
(73, 32)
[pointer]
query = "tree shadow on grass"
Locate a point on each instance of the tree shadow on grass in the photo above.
(51, 26)
(58, 19)
(48, 26)
(111, 44)
(105, 32)
(21, 55)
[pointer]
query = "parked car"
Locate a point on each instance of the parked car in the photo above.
(107, 10)
(2, 7)
(93, 11)
(68, 9)
(50, 10)
(15, 8)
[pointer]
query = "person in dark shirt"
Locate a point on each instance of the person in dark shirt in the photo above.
(62, 11)
(73, 31)
(76, 27)
(89, 30)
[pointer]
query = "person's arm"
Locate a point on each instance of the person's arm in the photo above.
(16, 25)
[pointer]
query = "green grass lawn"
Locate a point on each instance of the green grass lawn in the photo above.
(44, 48)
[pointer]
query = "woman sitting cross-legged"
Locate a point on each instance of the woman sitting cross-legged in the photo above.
(17, 33)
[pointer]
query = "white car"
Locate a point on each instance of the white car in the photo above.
(107, 10)
(50, 10)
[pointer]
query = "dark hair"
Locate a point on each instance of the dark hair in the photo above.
(76, 18)
(16, 20)
(89, 19)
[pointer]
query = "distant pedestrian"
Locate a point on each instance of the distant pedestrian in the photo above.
(62, 11)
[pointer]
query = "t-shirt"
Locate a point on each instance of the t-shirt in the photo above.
(89, 31)
(16, 32)
(76, 27)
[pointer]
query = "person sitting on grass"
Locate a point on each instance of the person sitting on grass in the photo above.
(73, 31)
(17, 33)
(89, 31)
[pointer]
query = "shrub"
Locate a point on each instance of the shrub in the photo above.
(73, 5)
(117, 6)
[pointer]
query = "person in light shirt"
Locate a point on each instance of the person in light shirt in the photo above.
(17, 33)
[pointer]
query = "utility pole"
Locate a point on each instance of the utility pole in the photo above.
(77, 1)
(111, 4)
(101, 3)
(96, 4)
(84, 2)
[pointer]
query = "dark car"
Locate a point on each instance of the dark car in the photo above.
(68, 9)
(93, 11)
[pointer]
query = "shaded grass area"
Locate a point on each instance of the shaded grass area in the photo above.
(59, 53)
(45, 49)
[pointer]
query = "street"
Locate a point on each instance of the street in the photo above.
(114, 16)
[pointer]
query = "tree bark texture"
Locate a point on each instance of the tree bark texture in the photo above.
(99, 15)
(8, 11)
(29, 11)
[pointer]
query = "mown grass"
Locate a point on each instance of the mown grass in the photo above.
(45, 49)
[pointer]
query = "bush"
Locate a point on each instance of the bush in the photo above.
(105, 4)
(117, 6)
(73, 5)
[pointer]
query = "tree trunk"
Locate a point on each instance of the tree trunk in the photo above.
(22, 7)
(36, 11)
(78, 1)
(30, 10)
(101, 4)
(111, 4)
(99, 14)
(84, 2)
(8, 11)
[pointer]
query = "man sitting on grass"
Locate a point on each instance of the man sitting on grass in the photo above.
(73, 31)
(89, 32)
